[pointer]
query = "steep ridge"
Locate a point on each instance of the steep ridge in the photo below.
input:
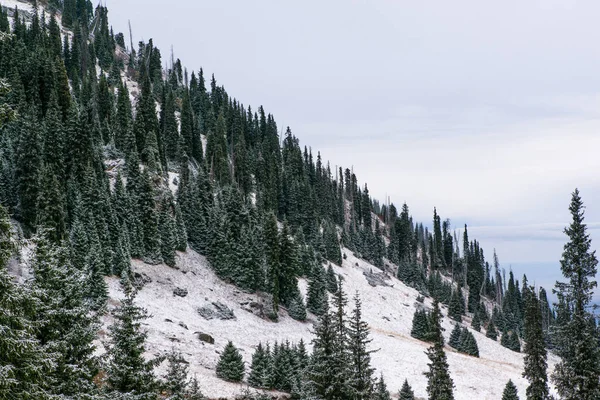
(387, 309)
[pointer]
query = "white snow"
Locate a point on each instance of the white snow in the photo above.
(21, 5)
(387, 310)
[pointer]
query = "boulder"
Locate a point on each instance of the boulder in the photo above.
(205, 337)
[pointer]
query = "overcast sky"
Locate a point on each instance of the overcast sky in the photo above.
(489, 112)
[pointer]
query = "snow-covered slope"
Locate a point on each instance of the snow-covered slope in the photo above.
(388, 310)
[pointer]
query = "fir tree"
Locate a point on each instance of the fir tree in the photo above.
(455, 309)
(297, 309)
(194, 392)
(476, 322)
(317, 292)
(381, 391)
(491, 331)
(510, 391)
(361, 375)
(176, 383)
(127, 370)
(576, 376)
(439, 383)
(406, 393)
(420, 325)
(23, 362)
(230, 366)
(332, 280)
(455, 337)
(259, 368)
(535, 359)
(66, 327)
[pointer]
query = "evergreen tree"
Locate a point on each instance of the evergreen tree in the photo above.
(259, 368)
(381, 391)
(420, 325)
(194, 392)
(406, 393)
(439, 383)
(468, 344)
(361, 378)
(455, 309)
(576, 376)
(535, 350)
(510, 391)
(476, 322)
(332, 280)
(230, 366)
(23, 362)
(66, 327)
(317, 292)
(297, 309)
(127, 370)
(271, 246)
(176, 382)
(491, 331)
(455, 337)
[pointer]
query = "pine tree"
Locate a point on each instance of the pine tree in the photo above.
(127, 370)
(271, 243)
(420, 325)
(576, 376)
(381, 391)
(230, 366)
(317, 292)
(259, 368)
(297, 309)
(468, 344)
(23, 362)
(455, 310)
(332, 280)
(66, 327)
(535, 359)
(476, 322)
(510, 391)
(491, 331)
(361, 376)
(455, 337)
(439, 383)
(176, 383)
(194, 392)
(406, 393)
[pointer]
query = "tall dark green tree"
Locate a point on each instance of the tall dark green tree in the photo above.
(576, 376)
(230, 366)
(439, 383)
(406, 393)
(510, 391)
(23, 362)
(361, 375)
(66, 326)
(535, 350)
(126, 369)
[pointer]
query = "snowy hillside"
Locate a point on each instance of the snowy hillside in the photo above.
(175, 323)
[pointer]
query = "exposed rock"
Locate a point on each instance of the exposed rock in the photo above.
(140, 280)
(181, 324)
(205, 337)
(180, 292)
(376, 279)
(206, 312)
(216, 310)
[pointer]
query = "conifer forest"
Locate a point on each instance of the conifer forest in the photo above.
(160, 239)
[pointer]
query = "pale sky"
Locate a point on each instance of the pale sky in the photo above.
(489, 112)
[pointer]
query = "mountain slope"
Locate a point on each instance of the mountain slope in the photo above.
(387, 309)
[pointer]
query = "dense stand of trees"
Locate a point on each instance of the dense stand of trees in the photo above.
(85, 173)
